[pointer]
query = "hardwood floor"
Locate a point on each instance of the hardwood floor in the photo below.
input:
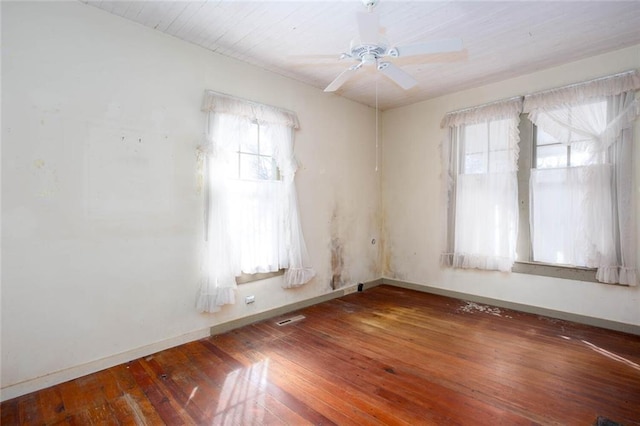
(384, 356)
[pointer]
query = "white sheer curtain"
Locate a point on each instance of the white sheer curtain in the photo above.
(584, 214)
(571, 215)
(251, 225)
(481, 159)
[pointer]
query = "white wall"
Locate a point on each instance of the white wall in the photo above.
(102, 210)
(414, 203)
(101, 206)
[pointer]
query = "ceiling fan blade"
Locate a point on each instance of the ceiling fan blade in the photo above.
(341, 79)
(398, 76)
(436, 46)
(368, 27)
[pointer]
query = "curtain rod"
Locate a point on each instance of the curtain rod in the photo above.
(569, 86)
(254, 103)
(458, 111)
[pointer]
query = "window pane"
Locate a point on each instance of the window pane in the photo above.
(255, 167)
(267, 168)
(266, 143)
(584, 154)
(544, 138)
(475, 138)
(249, 142)
(500, 162)
(499, 134)
(551, 156)
(475, 163)
(474, 145)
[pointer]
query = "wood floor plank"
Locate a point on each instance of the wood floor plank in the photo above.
(29, 409)
(160, 400)
(384, 356)
(51, 404)
(9, 412)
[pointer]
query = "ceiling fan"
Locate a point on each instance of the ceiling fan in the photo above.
(371, 50)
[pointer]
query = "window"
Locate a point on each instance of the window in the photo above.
(256, 155)
(575, 185)
(251, 215)
(483, 205)
(570, 191)
(580, 188)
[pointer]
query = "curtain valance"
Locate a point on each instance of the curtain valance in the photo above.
(583, 92)
(573, 110)
(508, 108)
(221, 103)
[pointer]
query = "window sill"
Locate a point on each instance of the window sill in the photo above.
(555, 271)
(248, 278)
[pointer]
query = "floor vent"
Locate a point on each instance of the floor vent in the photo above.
(290, 320)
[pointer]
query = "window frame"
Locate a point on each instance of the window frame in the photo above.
(244, 278)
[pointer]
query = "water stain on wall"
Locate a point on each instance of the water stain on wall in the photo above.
(385, 254)
(337, 251)
(337, 263)
(47, 179)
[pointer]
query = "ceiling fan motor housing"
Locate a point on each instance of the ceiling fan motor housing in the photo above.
(368, 54)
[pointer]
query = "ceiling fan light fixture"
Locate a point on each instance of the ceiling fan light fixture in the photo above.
(369, 58)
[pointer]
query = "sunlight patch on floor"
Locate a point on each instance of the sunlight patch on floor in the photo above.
(611, 355)
(243, 396)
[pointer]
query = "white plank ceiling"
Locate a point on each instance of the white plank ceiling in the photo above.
(303, 39)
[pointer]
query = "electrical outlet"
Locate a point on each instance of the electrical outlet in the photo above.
(349, 290)
(249, 299)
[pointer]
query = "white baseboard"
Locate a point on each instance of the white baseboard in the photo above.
(271, 313)
(42, 382)
(551, 313)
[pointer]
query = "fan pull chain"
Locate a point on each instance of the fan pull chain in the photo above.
(377, 150)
